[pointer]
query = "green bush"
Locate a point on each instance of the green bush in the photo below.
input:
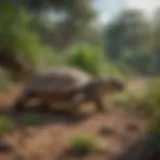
(82, 143)
(152, 95)
(85, 57)
(31, 119)
(147, 98)
(134, 99)
(139, 61)
(153, 100)
(6, 125)
(25, 43)
(110, 69)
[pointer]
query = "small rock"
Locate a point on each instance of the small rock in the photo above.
(106, 130)
(132, 127)
(5, 146)
(101, 147)
(26, 133)
(18, 157)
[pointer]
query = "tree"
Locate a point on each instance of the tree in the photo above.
(156, 38)
(129, 30)
(74, 19)
(18, 44)
(140, 61)
(19, 41)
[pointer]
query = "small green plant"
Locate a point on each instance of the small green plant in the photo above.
(31, 119)
(6, 125)
(82, 143)
(126, 99)
(4, 82)
(151, 98)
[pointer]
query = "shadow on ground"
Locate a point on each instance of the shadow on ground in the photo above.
(38, 117)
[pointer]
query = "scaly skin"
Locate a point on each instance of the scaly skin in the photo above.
(92, 91)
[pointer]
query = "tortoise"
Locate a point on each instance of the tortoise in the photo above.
(67, 86)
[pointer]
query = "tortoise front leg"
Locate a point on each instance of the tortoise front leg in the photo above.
(99, 104)
(77, 100)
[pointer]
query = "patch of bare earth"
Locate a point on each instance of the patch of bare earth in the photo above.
(49, 141)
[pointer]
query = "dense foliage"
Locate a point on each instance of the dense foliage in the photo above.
(134, 39)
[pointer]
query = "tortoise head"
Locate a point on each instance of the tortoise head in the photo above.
(110, 85)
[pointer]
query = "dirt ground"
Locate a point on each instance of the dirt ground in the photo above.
(50, 139)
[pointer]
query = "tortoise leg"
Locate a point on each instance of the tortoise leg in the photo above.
(77, 100)
(74, 111)
(20, 103)
(44, 106)
(100, 106)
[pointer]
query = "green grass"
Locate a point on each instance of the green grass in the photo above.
(129, 99)
(147, 98)
(144, 97)
(31, 119)
(82, 143)
(4, 82)
(6, 125)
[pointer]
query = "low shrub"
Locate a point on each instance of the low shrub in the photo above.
(82, 143)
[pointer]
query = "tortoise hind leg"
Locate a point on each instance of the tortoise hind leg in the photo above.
(77, 100)
(20, 103)
(44, 106)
